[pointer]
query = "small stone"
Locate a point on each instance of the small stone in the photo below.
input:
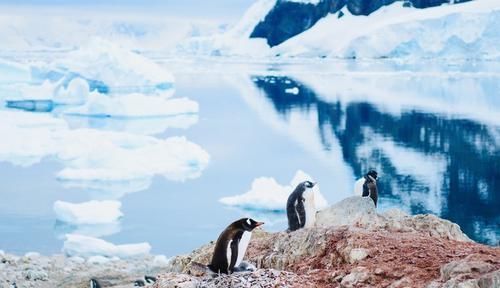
(35, 275)
(357, 254)
(357, 275)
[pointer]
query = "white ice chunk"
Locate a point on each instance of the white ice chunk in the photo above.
(133, 105)
(115, 66)
(294, 90)
(91, 212)
(76, 93)
(267, 194)
(84, 246)
(98, 158)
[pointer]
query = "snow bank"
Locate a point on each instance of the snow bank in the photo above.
(267, 194)
(85, 246)
(464, 30)
(91, 212)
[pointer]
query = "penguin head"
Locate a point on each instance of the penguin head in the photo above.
(248, 224)
(309, 184)
(372, 174)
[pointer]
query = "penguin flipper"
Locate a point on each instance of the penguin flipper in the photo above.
(301, 212)
(234, 253)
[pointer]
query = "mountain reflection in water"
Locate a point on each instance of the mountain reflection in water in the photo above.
(429, 162)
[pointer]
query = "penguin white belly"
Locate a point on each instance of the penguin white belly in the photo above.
(358, 186)
(310, 208)
(229, 253)
(242, 247)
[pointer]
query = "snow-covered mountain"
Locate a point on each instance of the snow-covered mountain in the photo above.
(359, 29)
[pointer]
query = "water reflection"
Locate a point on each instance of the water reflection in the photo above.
(430, 162)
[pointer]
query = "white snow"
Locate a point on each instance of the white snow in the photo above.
(91, 212)
(462, 30)
(85, 247)
(235, 41)
(267, 194)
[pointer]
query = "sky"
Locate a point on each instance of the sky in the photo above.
(225, 9)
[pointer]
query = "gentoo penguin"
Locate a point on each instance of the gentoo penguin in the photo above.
(232, 245)
(148, 280)
(300, 207)
(367, 186)
(94, 283)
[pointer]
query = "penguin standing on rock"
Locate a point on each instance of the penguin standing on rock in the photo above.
(300, 208)
(366, 186)
(232, 245)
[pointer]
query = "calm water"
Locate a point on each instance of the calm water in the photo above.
(435, 140)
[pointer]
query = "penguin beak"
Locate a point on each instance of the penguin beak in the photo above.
(259, 224)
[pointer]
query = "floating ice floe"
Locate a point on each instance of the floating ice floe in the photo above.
(97, 157)
(91, 212)
(133, 105)
(85, 247)
(267, 194)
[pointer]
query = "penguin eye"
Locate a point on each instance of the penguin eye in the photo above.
(248, 221)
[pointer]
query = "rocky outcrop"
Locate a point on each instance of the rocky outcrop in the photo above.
(34, 270)
(288, 19)
(353, 246)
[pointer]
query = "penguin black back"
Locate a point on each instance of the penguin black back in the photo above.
(371, 176)
(295, 209)
(371, 186)
(226, 248)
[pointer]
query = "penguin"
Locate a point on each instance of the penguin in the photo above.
(93, 283)
(232, 245)
(366, 186)
(148, 280)
(300, 208)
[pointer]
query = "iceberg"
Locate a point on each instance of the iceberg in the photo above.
(84, 246)
(91, 212)
(108, 68)
(267, 194)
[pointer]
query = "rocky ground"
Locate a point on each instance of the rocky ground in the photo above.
(351, 246)
(34, 270)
